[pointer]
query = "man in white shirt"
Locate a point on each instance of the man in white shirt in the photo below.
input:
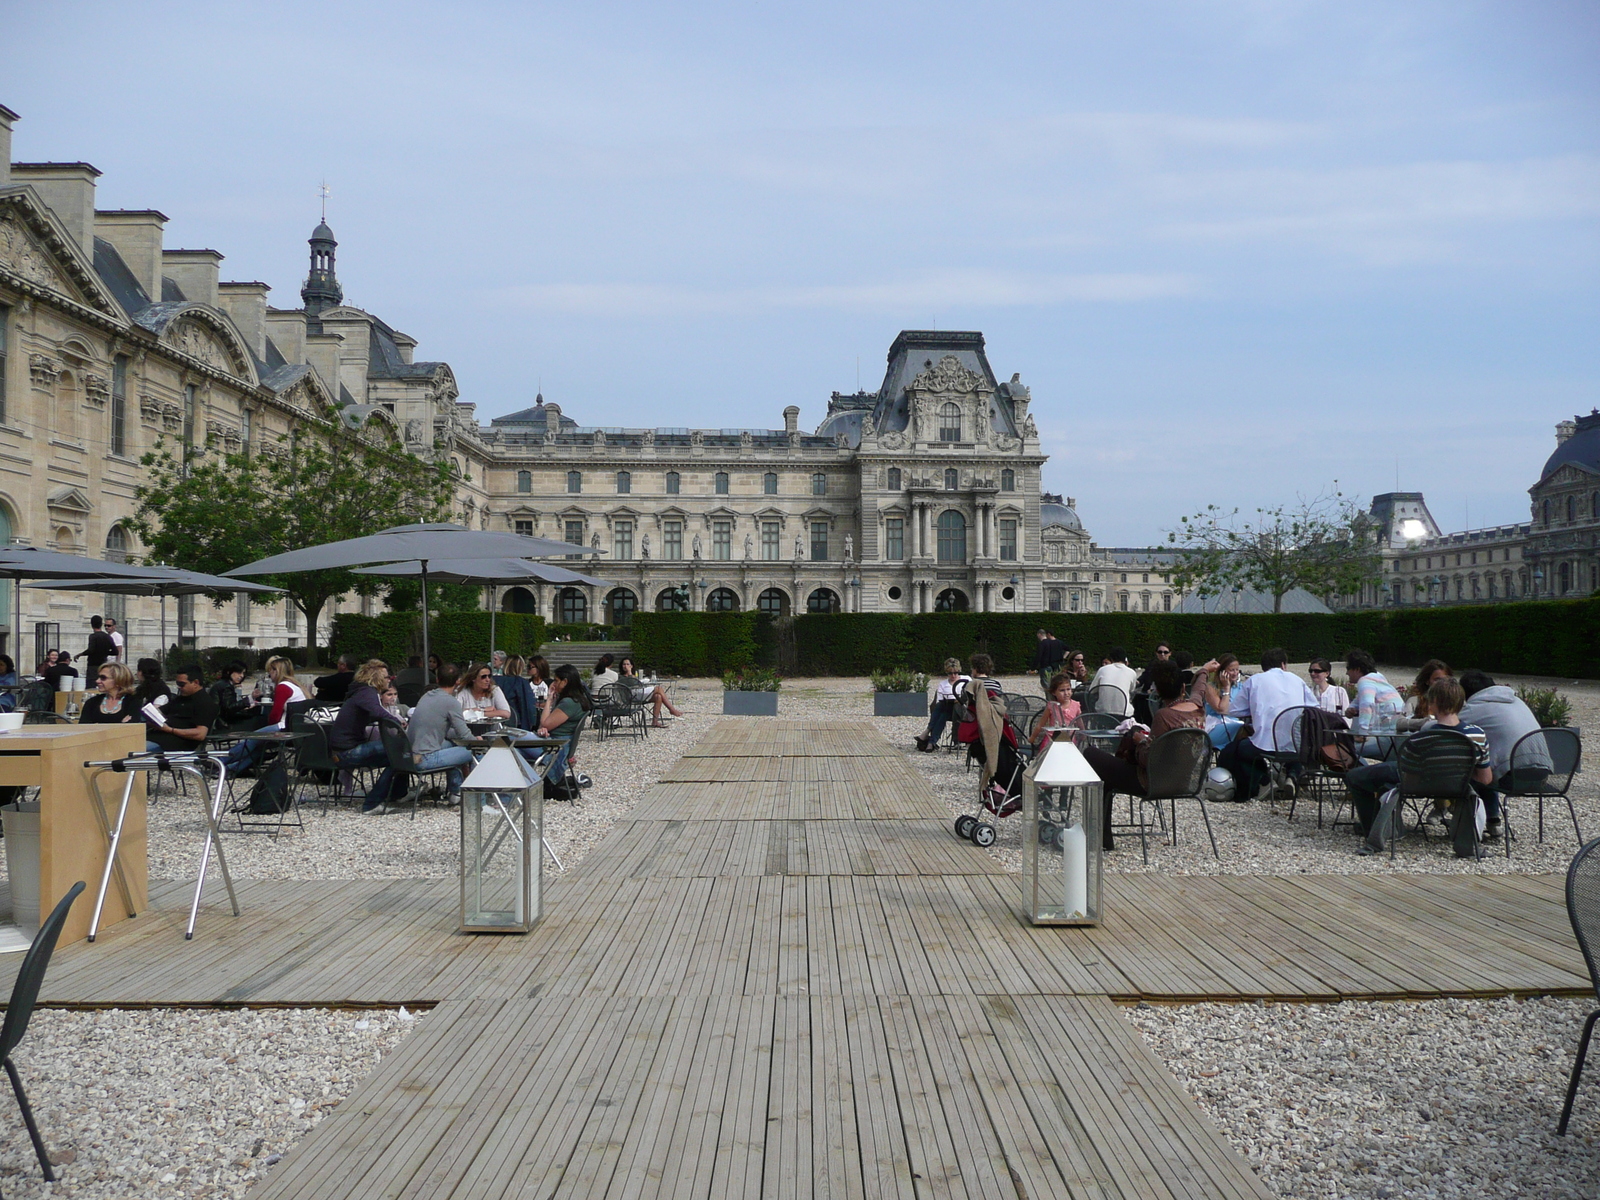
(1264, 697)
(1118, 674)
(116, 637)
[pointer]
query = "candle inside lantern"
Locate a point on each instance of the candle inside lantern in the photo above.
(1075, 870)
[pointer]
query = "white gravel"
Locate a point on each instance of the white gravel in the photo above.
(1444, 1099)
(181, 1102)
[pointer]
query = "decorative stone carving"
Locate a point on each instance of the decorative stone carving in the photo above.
(19, 253)
(794, 441)
(549, 437)
(947, 376)
(650, 439)
(599, 439)
(842, 440)
(696, 438)
(1004, 441)
(799, 548)
(745, 442)
(749, 545)
(43, 371)
(1029, 429)
(696, 545)
(849, 548)
(868, 426)
(149, 409)
(171, 418)
(892, 441)
(413, 431)
(195, 340)
(594, 540)
(644, 546)
(97, 390)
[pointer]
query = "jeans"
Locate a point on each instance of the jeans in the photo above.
(454, 757)
(361, 756)
(248, 753)
(938, 717)
(1365, 785)
(557, 759)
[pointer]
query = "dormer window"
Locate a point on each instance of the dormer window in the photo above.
(950, 423)
(721, 483)
(674, 483)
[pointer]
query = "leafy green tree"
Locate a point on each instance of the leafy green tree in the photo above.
(212, 512)
(1325, 545)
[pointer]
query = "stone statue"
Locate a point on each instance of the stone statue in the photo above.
(1029, 429)
(799, 548)
(849, 548)
(697, 545)
(594, 540)
(644, 546)
(748, 545)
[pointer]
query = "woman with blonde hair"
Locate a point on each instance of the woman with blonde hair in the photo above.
(112, 704)
(282, 689)
(347, 736)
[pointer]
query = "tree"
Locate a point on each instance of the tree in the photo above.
(210, 512)
(1325, 545)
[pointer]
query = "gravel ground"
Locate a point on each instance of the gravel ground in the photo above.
(182, 1102)
(1446, 1099)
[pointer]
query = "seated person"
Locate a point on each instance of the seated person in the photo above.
(58, 671)
(112, 703)
(944, 704)
(149, 684)
(1377, 707)
(8, 675)
(233, 709)
(348, 738)
(1216, 689)
(479, 697)
(1330, 696)
(1059, 712)
(654, 694)
(564, 708)
(434, 721)
(1261, 699)
(412, 680)
(1368, 783)
(187, 717)
(1432, 670)
(1505, 720)
(603, 672)
(1125, 771)
(332, 689)
(513, 682)
(282, 689)
(1075, 665)
(1118, 674)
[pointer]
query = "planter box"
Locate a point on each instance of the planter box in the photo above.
(749, 704)
(899, 704)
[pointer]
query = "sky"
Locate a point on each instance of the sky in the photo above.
(1242, 252)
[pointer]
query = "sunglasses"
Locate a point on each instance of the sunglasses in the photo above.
(1317, 671)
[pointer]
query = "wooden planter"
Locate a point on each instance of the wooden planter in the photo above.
(899, 704)
(749, 704)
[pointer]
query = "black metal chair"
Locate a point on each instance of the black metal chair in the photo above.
(409, 784)
(1438, 764)
(37, 704)
(1542, 766)
(24, 993)
(1107, 698)
(567, 788)
(1583, 910)
(1175, 769)
(314, 764)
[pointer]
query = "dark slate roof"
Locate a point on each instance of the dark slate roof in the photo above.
(344, 395)
(273, 361)
(1051, 513)
(912, 352)
(847, 423)
(119, 281)
(170, 290)
(323, 234)
(283, 377)
(532, 416)
(384, 360)
(156, 317)
(1582, 448)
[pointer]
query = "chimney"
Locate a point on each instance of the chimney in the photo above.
(791, 419)
(552, 417)
(7, 118)
(136, 234)
(246, 303)
(68, 188)
(195, 273)
(1564, 430)
(1072, 503)
(322, 352)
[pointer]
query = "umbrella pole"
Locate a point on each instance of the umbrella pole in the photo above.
(161, 657)
(424, 614)
(491, 622)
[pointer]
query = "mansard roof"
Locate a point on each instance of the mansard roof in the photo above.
(1582, 449)
(917, 351)
(384, 360)
(119, 281)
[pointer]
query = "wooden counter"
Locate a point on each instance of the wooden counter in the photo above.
(71, 844)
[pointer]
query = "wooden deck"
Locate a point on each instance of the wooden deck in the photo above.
(783, 975)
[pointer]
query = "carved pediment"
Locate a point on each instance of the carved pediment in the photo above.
(197, 341)
(69, 499)
(948, 377)
(22, 254)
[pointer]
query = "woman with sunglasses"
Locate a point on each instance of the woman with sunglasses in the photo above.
(480, 698)
(111, 704)
(1330, 696)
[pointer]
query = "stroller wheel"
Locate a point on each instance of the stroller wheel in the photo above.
(1047, 833)
(983, 834)
(965, 825)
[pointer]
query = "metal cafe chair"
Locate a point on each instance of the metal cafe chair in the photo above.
(1107, 698)
(1542, 766)
(1176, 770)
(1437, 764)
(1583, 910)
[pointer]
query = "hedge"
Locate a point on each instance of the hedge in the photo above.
(458, 637)
(1554, 638)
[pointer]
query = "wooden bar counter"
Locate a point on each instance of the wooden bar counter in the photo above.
(72, 845)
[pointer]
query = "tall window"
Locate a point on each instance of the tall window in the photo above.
(1008, 480)
(819, 484)
(574, 482)
(291, 616)
(952, 537)
(950, 423)
(819, 541)
(894, 538)
(622, 539)
(117, 544)
(1008, 539)
(522, 527)
(1053, 600)
(1166, 599)
(241, 619)
(721, 483)
(769, 487)
(624, 483)
(247, 431)
(524, 482)
(574, 532)
(572, 606)
(5, 329)
(769, 541)
(672, 539)
(674, 483)
(894, 479)
(952, 479)
(1547, 511)
(191, 406)
(1572, 510)
(722, 540)
(119, 402)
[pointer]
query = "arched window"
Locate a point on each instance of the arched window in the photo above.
(823, 600)
(572, 606)
(620, 606)
(1008, 480)
(949, 422)
(819, 484)
(1053, 600)
(774, 602)
(524, 481)
(769, 484)
(519, 600)
(722, 600)
(952, 537)
(894, 479)
(116, 544)
(574, 482)
(720, 484)
(673, 600)
(1572, 509)
(674, 483)
(624, 482)
(952, 479)
(951, 600)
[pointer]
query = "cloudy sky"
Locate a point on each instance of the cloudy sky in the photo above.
(1239, 250)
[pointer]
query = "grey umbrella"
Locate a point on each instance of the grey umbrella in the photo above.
(490, 571)
(27, 562)
(411, 544)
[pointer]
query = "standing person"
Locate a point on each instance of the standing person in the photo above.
(111, 704)
(1047, 656)
(1118, 674)
(434, 721)
(944, 704)
(101, 647)
(347, 736)
(188, 717)
(116, 637)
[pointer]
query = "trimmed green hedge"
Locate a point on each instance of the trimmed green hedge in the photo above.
(458, 637)
(700, 643)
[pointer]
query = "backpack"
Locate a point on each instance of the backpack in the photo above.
(271, 792)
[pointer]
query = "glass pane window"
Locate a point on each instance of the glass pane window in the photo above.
(624, 482)
(242, 617)
(770, 545)
(119, 402)
(894, 479)
(894, 538)
(574, 482)
(952, 537)
(524, 482)
(622, 539)
(1008, 539)
(674, 483)
(1008, 480)
(819, 541)
(672, 539)
(950, 423)
(721, 483)
(574, 535)
(291, 616)
(722, 540)
(769, 485)
(819, 484)
(952, 479)
(523, 527)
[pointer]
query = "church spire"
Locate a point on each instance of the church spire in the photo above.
(321, 289)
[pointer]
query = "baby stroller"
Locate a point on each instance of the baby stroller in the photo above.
(1001, 797)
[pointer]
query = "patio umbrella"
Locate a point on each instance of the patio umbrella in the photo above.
(490, 571)
(28, 562)
(411, 544)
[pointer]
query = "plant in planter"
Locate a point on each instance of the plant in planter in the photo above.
(750, 692)
(899, 692)
(1550, 708)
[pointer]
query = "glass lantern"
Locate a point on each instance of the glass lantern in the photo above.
(1061, 838)
(502, 830)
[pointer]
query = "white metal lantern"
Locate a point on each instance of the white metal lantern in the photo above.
(1061, 837)
(502, 829)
